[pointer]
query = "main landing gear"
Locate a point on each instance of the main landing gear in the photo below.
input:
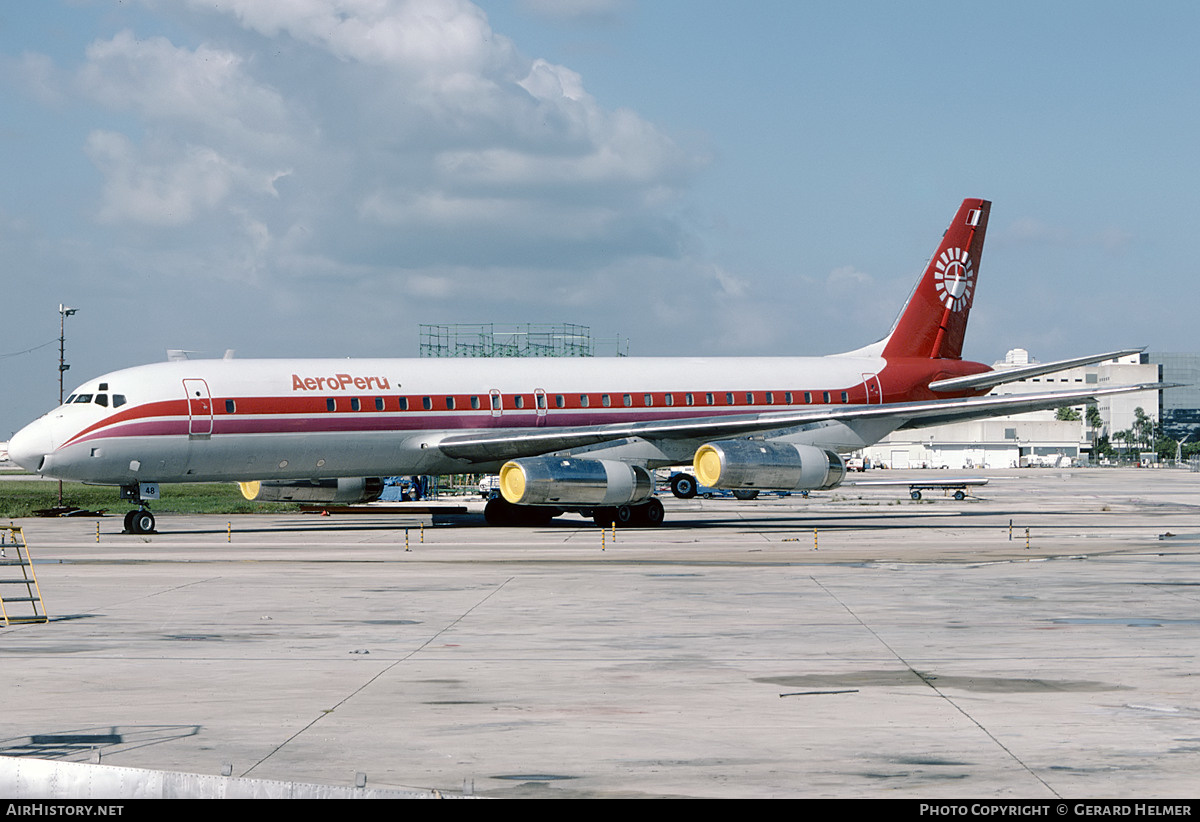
(500, 511)
(140, 521)
(649, 513)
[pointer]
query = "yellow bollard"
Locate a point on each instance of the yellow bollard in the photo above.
(815, 548)
(97, 530)
(229, 532)
(422, 533)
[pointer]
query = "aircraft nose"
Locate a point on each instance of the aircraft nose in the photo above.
(29, 446)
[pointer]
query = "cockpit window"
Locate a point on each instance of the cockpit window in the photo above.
(69, 400)
(83, 398)
(118, 400)
(102, 400)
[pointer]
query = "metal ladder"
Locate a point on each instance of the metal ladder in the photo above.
(12, 540)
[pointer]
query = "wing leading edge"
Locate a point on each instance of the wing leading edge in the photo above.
(490, 446)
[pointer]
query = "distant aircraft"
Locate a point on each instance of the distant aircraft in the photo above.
(565, 434)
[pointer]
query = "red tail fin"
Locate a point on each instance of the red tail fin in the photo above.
(934, 321)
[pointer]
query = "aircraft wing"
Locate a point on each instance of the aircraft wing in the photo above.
(990, 379)
(491, 445)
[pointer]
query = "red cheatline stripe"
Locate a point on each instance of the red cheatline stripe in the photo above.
(310, 413)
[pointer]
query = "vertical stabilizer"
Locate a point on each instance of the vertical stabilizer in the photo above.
(934, 321)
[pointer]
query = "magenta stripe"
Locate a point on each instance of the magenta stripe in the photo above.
(403, 423)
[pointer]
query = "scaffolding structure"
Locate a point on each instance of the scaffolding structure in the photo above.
(526, 340)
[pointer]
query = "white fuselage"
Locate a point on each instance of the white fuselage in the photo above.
(205, 420)
(215, 420)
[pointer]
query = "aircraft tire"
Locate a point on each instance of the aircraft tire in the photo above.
(498, 512)
(129, 521)
(651, 513)
(915, 494)
(501, 512)
(960, 495)
(604, 517)
(626, 515)
(535, 515)
(746, 493)
(683, 486)
(142, 522)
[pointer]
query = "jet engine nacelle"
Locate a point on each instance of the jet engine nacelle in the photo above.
(345, 491)
(569, 481)
(768, 466)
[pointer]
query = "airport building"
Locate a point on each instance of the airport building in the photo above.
(1180, 405)
(1034, 439)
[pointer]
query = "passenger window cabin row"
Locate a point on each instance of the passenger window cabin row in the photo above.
(517, 402)
(540, 401)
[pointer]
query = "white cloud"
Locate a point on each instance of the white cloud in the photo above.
(431, 286)
(532, 219)
(730, 285)
(374, 164)
(847, 281)
(205, 91)
(546, 81)
(206, 131)
(39, 77)
(427, 122)
(423, 37)
(167, 192)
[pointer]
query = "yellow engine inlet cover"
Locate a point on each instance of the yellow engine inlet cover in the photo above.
(250, 489)
(512, 482)
(707, 463)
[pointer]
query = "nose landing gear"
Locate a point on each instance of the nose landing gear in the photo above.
(140, 521)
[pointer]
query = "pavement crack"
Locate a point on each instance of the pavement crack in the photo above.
(370, 681)
(929, 681)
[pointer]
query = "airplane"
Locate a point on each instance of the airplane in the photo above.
(564, 434)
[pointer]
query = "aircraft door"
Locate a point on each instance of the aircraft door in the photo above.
(874, 389)
(200, 408)
(497, 402)
(539, 403)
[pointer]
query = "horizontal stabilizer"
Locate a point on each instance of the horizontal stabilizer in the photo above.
(990, 379)
(1008, 404)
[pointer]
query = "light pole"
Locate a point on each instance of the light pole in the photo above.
(63, 313)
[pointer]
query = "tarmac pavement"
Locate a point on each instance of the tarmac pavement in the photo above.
(853, 644)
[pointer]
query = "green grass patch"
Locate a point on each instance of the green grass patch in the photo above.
(20, 498)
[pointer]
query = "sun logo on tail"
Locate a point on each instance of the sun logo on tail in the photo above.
(954, 279)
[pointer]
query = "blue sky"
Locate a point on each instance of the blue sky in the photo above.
(319, 177)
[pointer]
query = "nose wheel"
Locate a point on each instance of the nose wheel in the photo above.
(140, 521)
